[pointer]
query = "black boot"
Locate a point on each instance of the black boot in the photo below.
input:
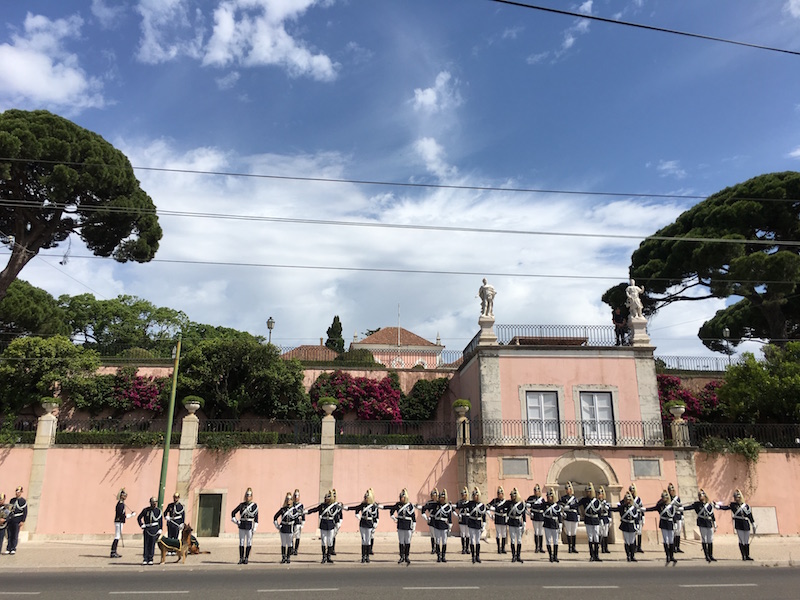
(296, 546)
(241, 555)
(371, 546)
(628, 552)
(332, 549)
(513, 553)
(438, 553)
(114, 549)
(498, 545)
(550, 552)
(288, 555)
(328, 555)
(678, 544)
(711, 552)
(541, 544)
(402, 554)
(555, 553)
(324, 555)
(639, 544)
(472, 551)
(408, 550)
(366, 552)
(478, 553)
(705, 551)
(503, 546)
(747, 552)
(597, 552)
(672, 555)
(433, 545)
(604, 546)
(632, 548)
(519, 553)
(464, 545)
(247, 555)
(444, 552)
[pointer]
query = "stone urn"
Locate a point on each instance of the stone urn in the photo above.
(328, 409)
(461, 408)
(192, 407)
(677, 411)
(50, 405)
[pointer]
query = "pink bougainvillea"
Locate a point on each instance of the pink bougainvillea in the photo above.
(138, 392)
(370, 399)
(701, 407)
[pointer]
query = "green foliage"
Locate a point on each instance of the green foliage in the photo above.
(421, 403)
(133, 439)
(674, 270)
(765, 391)
(235, 375)
(357, 356)
(328, 400)
(193, 400)
(224, 441)
(32, 368)
(748, 448)
(94, 393)
(462, 402)
(30, 311)
(387, 439)
(71, 181)
(335, 340)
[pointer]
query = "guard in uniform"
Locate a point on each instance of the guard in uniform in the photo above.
(742, 520)
(5, 512)
(442, 522)
(569, 504)
(666, 523)
(330, 513)
(591, 518)
(150, 520)
(120, 514)
(175, 515)
(476, 521)
(285, 520)
(640, 504)
(339, 514)
(706, 522)
(517, 513)
(535, 504)
(605, 520)
(405, 515)
(499, 513)
(367, 513)
(247, 523)
(630, 517)
(425, 510)
(553, 517)
(298, 526)
(676, 500)
(19, 512)
(463, 510)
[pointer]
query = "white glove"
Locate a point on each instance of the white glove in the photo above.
(235, 520)
(158, 532)
(143, 526)
(276, 525)
(130, 515)
(394, 518)
(255, 527)
(168, 518)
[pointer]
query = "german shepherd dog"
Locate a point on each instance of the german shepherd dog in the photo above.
(180, 547)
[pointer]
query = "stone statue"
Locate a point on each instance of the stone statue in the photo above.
(633, 302)
(487, 293)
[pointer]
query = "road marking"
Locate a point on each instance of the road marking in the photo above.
(298, 590)
(20, 593)
(152, 592)
(704, 585)
(452, 587)
(580, 587)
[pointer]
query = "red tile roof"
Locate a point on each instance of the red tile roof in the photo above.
(310, 352)
(388, 337)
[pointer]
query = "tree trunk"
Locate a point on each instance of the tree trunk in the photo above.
(20, 256)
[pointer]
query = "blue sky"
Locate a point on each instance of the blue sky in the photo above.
(466, 93)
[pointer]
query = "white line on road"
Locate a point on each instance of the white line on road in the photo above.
(20, 593)
(298, 590)
(705, 585)
(580, 587)
(452, 587)
(151, 592)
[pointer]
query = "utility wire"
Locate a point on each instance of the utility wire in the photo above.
(642, 26)
(403, 226)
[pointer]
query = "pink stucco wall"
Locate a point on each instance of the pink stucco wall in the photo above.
(15, 469)
(408, 377)
(467, 385)
(589, 369)
(772, 482)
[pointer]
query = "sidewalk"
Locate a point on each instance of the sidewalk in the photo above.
(773, 551)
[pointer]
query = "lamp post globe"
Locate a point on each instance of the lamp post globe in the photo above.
(270, 327)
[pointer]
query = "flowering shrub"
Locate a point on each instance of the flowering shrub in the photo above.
(370, 399)
(701, 407)
(134, 391)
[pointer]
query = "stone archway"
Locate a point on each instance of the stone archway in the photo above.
(581, 467)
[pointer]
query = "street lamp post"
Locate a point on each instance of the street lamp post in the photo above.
(176, 354)
(270, 326)
(726, 333)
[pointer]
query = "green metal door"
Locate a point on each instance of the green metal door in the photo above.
(208, 517)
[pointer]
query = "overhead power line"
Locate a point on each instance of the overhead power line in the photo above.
(646, 27)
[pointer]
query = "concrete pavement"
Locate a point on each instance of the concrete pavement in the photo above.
(93, 554)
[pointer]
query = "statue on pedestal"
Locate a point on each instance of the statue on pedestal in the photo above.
(487, 293)
(633, 301)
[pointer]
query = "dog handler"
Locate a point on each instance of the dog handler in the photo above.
(175, 515)
(150, 522)
(120, 514)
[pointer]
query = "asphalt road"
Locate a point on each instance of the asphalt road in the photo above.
(396, 582)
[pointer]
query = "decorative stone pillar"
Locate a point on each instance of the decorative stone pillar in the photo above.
(487, 335)
(190, 427)
(679, 427)
(462, 425)
(326, 449)
(45, 437)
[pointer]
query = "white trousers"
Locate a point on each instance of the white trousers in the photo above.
(287, 539)
(464, 531)
(327, 536)
(593, 532)
(245, 537)
(538, 528)
(706, 534)
(571, 527)
(440, 536)
(629, 537)
(603, 529)
(474, 536)
(551, 536)
(118, 530)
(366, 535)
(404, 536)
(515, 533)
(668, 536)
(502, 531)
(744, 536)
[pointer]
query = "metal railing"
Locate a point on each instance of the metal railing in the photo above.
(129, 432)
(386, 433)
(549, 335)
(392, 358)
(260, 431)
(777, 435)
(552, 432)
(696, 363)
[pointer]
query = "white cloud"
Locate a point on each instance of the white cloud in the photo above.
(36, 70)
(443, 96)
(253, 33)
(432, 154)
(512, 32)
(228, 81)
(108, 16)
(585, 8)
(794, 153)
(670, 168)
(793, 8)
(535, 59)
(168, 31)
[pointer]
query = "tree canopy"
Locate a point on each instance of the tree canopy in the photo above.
(57, 178)
(741, 242)
(335, 340)
(28, 310)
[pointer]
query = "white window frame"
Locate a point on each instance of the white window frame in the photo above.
(558, 390)
(610, 435)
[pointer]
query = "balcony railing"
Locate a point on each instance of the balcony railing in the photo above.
(777, 435)
(695, 363)
(551, 432)
(385, 433)
(259, 431)
(549, 335)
